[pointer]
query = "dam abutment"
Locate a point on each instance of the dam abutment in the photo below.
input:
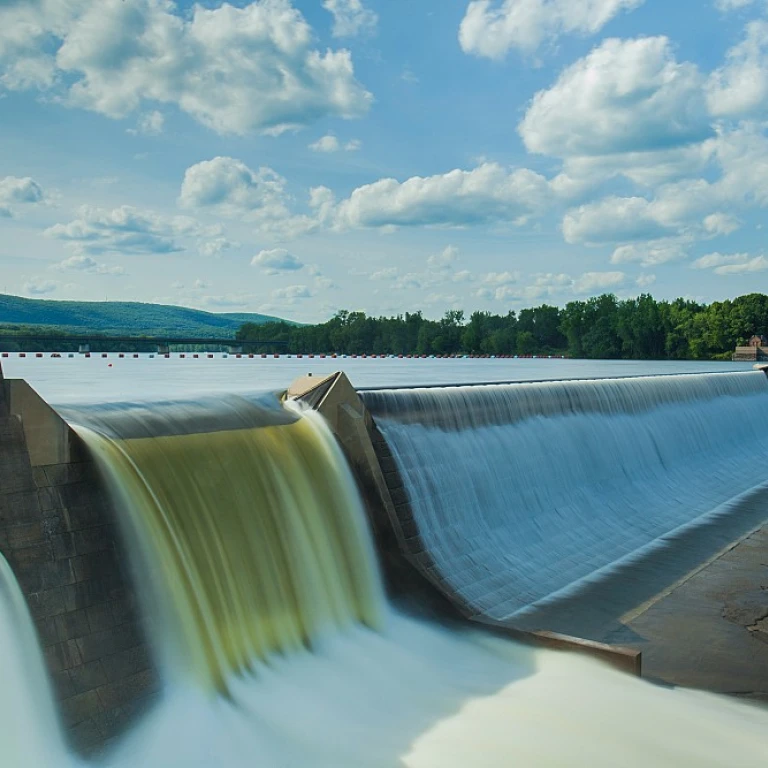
(59, 534)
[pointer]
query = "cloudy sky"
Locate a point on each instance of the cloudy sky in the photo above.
(296, 157)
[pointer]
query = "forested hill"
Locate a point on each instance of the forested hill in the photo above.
(123, 318)
(605, 327)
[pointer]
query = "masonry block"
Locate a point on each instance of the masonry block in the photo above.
(58, 532)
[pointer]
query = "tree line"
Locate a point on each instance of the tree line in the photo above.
(603, 327)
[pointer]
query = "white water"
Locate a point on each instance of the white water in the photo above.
(528, 493)
(409, 694)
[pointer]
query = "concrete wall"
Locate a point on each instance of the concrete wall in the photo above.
(58, 533)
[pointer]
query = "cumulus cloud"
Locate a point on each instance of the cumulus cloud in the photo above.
(351, 17)
(39, 287)
(594, 282)
(149, 124)
(216, 246)
(740, 87)
(624, 96)
(82, 263)
(122, 230)
(613, 219)
(18, 191)
(651, 253)
(720, 224)
(731, 264)
(445, 258)
(228, 187)
(547, 284)
(645, 280)
(292, 293)
(732, 5)
(233, 69)
(390, 273)
(489, 193)
(329, 143)
(276, 260)
(491, 28)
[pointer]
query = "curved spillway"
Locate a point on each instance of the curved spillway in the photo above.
(528, 495)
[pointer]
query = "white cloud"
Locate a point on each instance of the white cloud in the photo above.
(490, 28)
(327, 143)
(625, 96)
(651, 253)
(18, 191)
(234, 69)
(592, 282)
(228, 187)
(645, 280)
(720, 224)
(502, 278)
(731, 264)
(276, 260)
(81, 263)
(390, 273)
(292, 293)
(122, 230)
(732, 5)
(462, 276)
(486, 194)
(39, 287)
(217, 246)
(324, 283)
(149, 124)
(445, 258)
(740, 87)
(350, 17)
(613, 219)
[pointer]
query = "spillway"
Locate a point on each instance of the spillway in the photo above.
(257, 575)
(250, 537)
(557, 504)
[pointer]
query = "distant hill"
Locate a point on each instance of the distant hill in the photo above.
(128, 318)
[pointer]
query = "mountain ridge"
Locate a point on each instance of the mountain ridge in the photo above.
(115, 318)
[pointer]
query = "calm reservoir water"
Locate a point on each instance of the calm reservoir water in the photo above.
(80, 379)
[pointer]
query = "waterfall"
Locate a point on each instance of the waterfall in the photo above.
(525, 494)
(30, 734)
(248, 523)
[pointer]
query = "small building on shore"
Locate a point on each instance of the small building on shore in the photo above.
(755, 351)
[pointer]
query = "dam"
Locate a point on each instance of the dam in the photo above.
(391, 576)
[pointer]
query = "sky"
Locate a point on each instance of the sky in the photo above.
(298, 157)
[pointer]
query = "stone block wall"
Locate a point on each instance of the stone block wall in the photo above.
(59, 534)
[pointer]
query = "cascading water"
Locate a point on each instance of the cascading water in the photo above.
(278, 649)
(254, 535)
(527, 493)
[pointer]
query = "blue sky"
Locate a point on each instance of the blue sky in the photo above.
(300, 157)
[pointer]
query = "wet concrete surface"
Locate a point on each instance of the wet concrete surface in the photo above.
(710, 630)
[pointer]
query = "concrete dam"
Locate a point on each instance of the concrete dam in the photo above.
(443, 576)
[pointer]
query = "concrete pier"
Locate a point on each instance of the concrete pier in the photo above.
(58, 533)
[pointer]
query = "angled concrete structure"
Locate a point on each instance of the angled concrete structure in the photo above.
(58, 533)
